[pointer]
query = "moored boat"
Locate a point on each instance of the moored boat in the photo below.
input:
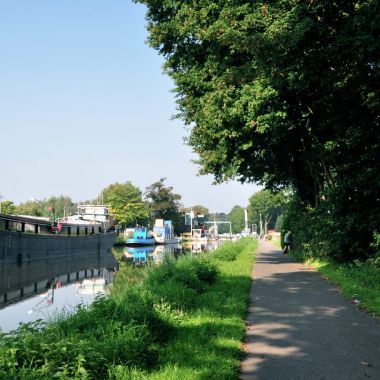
(163, 232)
(138, 236)
(29, 238)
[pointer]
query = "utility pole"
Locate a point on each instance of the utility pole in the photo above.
(246, 219)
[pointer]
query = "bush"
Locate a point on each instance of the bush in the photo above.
(179, 281)
(229, 251)
(332, 229)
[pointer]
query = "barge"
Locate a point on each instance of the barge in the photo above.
(25, 238)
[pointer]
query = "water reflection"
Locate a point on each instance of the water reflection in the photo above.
(201, 246)
(37, 289)
(146, 255)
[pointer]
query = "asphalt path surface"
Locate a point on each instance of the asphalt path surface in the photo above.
(300, 327)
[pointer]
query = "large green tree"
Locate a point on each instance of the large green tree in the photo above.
(126, 203)
(263, 209)
(164, 203)
(236, 217)
(284, 93)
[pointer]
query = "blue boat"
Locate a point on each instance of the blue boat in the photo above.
(138, 236)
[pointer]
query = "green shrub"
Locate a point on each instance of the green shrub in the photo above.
(229, 251)
(191, 272)
(330, 230)
(179, 281)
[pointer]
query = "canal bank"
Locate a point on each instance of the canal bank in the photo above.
(184, 311)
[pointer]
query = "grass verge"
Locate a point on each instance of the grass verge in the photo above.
(181, 320)
(359, 281)
(209, 336)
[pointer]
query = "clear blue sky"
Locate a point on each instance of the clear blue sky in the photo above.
(84, 103)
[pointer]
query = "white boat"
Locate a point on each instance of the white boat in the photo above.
(163, 232)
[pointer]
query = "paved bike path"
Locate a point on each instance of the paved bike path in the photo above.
(300, 327)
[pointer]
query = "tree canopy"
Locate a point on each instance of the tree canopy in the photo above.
(236, 217)
(63, 205)
(7, 207)
(126, 204)
(284, 93)
(265, 206)
(164, 203)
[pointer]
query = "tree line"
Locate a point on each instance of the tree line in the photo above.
(130, 207)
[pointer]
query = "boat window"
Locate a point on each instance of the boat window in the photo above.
(86, 231)
(92, 230)
(68, 230)
(77, 230)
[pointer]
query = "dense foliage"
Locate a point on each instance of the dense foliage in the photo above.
(7, 207)
(263, 209)
(164, 203)
(236, 217)
(126, 203)
(62, 205)
(285, 93)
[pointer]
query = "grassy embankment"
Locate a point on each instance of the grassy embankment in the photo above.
(181, 320)
(358, 281)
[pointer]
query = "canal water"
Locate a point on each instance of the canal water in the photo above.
(43, 289)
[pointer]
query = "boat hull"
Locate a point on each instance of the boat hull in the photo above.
(21, 246)
(163, 240)
(140, 242)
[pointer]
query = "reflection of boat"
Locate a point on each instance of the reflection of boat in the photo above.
(28, 238)
(201, 246)
(163, 232)
(138, 254)
(138, 236)
(199, 234)
(93, 286)
(21, 280)
(160, 251)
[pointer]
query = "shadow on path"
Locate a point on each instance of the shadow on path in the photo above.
(300, 327)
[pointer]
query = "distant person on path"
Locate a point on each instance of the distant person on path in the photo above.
(287, 239)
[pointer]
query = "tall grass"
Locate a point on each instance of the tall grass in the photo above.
(183, 319)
